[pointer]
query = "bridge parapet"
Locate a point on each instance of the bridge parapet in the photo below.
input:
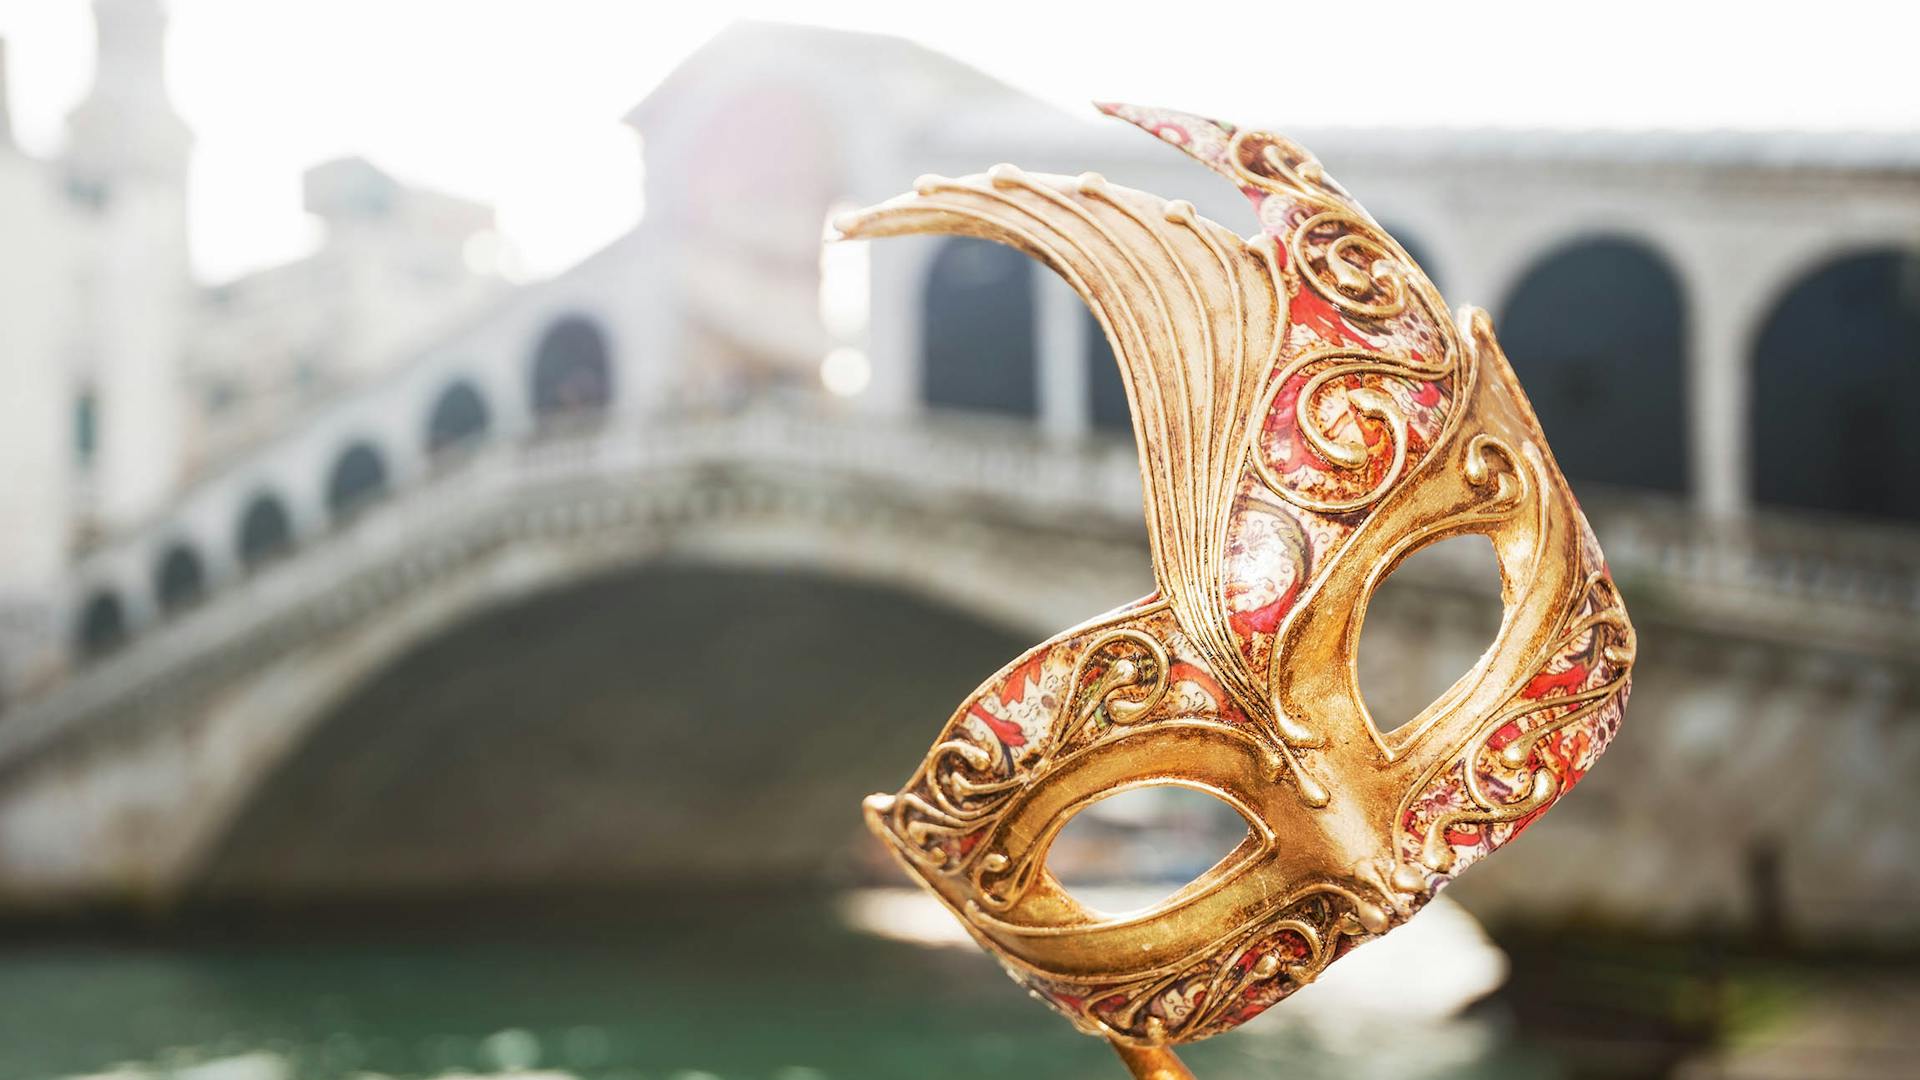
(1843, 585)
(1772, 579)
(663, 470)
(119, 782)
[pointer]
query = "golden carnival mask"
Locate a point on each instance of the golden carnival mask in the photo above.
(1308, 416)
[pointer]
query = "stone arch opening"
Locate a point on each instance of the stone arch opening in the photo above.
(102, 627)
(265, 532)
(1416, 247)
(1597, 332)
(358, 479)
(602, 735)
(1835, 368)
(459, 418)
(572, 373)
(179, 579)
(1106, 388)
(977, 322)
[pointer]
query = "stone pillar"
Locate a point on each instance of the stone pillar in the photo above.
(1720, 322)
(899, 268)
(1060, 331)
(126, 168)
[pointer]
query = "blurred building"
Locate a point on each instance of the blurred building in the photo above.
(128, 381)
(395, 267)
(374, 507)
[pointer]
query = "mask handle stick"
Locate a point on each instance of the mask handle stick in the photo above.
(1152, 1062)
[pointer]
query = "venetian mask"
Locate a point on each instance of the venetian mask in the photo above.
(1308, 416)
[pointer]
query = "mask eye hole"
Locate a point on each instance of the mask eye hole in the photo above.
(1137, 847)
(1427, 627)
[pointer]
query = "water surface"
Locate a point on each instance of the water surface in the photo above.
(731, 988)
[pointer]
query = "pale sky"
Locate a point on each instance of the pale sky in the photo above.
(517, 102)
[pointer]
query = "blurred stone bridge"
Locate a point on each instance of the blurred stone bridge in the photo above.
(645, 649)
(130, 776)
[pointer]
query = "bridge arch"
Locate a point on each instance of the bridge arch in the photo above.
(264, 531)
(955, 533)
(572, 370)
(179, 578)
(459, 417)
(358, 478)
(615, 704)
(1836, 368)
(977, 329)
(1596, 329)
(102, 626)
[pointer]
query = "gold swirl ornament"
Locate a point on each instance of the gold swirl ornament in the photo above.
(1306, 384)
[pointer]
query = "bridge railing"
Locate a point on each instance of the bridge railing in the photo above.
(440, 515)
(990, 457)
(1843, 583)
(1855, 587)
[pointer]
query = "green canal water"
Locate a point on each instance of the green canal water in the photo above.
(760, 988)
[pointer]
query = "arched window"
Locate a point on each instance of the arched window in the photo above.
(1835, 372)
(978, 324)
(459, 417)
(265, 532)
(178, 580)
(571, 372)
(1422, 255)
(103, 624)
(359, 477)
(1596, 332)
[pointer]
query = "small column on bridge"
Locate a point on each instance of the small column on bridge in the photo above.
(1721, 322)
(898, 283)
(1061, 329)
